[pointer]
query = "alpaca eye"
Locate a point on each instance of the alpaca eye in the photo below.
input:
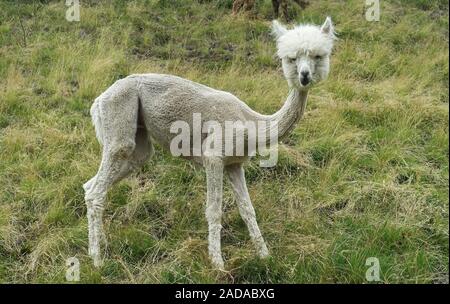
(318, 57)
(291, 60)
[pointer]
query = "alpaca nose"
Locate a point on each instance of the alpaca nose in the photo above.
(304, 79)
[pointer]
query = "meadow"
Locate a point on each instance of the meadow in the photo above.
(364, 174)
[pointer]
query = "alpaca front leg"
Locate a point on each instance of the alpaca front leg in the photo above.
(214, 180)
(237, 178)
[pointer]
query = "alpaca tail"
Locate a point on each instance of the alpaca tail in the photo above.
(97, 120)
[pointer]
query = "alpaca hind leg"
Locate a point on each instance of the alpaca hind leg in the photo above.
(141, 153)
(117, 121)
(88, 184)
(214, 181)
(112, 170)
(237, 178)
(115, 165)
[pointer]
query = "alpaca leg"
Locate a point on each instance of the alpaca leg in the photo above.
(142, 152)
(115, 165)
(95, 214)
(94, 203)
(237, 178)
(90, 217)
(214, 180)
(88, 184)
(118, 109)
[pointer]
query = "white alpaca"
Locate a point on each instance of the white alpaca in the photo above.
(139, 109)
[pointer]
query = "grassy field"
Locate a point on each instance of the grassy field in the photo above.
(364, 174)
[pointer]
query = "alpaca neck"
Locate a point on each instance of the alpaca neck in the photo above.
(291, 112)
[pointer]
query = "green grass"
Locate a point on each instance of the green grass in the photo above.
(365, 173)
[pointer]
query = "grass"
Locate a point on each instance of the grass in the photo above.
(365, 173)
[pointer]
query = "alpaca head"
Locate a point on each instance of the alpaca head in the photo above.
(305, 52)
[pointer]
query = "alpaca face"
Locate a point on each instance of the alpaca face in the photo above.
(305, 52)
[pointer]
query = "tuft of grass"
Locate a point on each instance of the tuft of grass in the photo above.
(365, 173)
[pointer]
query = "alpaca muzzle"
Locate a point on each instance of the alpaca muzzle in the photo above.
(305, 78)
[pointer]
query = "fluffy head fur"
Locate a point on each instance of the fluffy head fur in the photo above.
(305, 52)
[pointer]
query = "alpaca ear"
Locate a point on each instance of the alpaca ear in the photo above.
(327, 27)
(278, 30)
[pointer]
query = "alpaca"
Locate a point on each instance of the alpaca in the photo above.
(138, 110)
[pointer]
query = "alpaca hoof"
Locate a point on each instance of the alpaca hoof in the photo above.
(263, 252)
(218, 263)
(98, 262)
(96, 257)
(264, 255)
